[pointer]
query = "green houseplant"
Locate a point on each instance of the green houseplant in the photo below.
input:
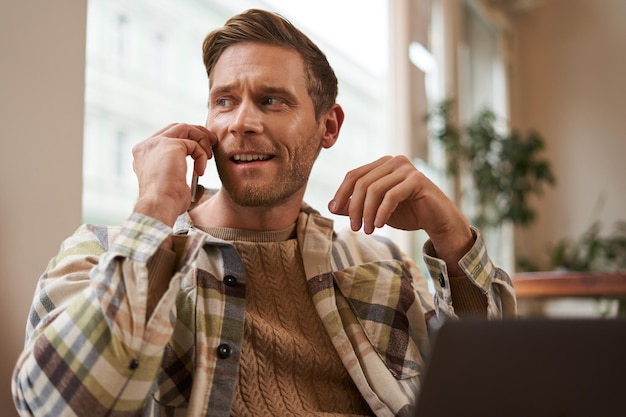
(505, 169)
(593, 251)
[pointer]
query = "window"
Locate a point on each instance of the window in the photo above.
(467, 41)
(121, 156)
(131, 82)
(120, 42)
(158, 52)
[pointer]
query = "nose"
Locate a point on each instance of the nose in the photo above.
(247, 119)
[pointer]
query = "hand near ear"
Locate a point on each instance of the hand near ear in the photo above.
(160, 163)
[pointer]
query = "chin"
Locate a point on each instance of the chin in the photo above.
(266, 197)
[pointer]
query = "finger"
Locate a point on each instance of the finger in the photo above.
(205, 138)
(184, 131)
(404, 182)
(341, 200)
(378, 184)
(377, 200)
(395, 195)
(198, 153)
(194, 135)
(198, 133)
(165, 129)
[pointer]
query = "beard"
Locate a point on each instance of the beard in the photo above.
(251, 191)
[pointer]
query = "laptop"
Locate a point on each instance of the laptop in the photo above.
(526, 368)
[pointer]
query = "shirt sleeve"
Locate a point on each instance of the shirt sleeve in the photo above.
(491, 280)
(90, 350)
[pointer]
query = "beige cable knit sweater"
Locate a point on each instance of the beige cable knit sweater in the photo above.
(288, 361)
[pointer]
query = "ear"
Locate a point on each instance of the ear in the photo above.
(332, 121)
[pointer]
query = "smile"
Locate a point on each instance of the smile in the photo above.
(251, 158)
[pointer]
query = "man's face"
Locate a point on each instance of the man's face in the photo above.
(262, 114)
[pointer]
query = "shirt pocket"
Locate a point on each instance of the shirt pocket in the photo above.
(382, 300)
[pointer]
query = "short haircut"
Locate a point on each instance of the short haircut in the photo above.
(256, 25)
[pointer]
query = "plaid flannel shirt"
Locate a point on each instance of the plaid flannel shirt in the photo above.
(91, 351)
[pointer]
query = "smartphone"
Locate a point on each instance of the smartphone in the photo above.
(194, 187)
(194, 177)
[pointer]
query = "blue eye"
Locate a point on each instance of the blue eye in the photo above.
(272, 101)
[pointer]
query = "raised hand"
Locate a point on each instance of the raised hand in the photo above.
(160, 163)
(392, 191)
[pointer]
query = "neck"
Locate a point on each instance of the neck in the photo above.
(221, 211)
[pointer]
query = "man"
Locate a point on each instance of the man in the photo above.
(248, 303)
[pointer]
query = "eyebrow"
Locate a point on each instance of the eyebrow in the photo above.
(226, 89)
(220, 90)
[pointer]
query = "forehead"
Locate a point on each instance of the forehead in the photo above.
(262, 62)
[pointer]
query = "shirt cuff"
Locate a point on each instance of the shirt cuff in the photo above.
(476, 265)
(140, 237)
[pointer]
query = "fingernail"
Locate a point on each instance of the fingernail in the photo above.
(332, 206)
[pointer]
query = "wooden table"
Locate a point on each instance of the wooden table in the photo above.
(537, 292)
(569, 284)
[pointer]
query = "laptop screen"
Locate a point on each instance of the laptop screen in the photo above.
(526, 368)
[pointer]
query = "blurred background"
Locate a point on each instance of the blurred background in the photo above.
(82, 81)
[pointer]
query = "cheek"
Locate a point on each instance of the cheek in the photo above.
(308, 147)
(217, 124)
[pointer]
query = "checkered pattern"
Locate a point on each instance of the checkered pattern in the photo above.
(90, 350)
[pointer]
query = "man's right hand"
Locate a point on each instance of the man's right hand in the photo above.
(160, 163)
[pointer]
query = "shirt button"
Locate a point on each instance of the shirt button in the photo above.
(230, 280)
(223, 351)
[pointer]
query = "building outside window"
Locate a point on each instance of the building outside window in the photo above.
(144, 70)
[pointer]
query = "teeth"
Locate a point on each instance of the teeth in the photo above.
(250, 158)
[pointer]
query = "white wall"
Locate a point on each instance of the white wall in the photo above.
(42, 47)
(569, 79)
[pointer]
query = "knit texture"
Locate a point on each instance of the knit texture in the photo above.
(289, 365)
(467, 299)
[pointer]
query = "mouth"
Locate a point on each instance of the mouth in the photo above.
(247, 158)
